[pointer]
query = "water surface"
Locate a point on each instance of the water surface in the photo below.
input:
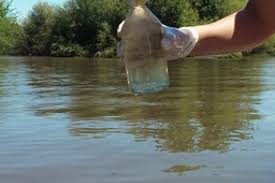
(74, 120)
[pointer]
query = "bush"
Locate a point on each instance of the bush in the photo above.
(174, 12)
(268, 47)
(9, 29)
(67, 50)
(106, 42)
(88, 27)
(94, 23)
(210, 10)
(37, 28)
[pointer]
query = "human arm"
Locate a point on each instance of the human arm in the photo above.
(238, 32)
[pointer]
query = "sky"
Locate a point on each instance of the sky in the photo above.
(23, 6)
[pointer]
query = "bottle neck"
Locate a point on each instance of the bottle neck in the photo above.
(137, 3)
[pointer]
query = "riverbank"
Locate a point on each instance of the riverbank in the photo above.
(89, 27)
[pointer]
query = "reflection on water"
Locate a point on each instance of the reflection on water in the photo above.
(180, 169)
(211, 106)
(3, 92)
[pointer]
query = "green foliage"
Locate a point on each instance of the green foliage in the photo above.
(268, 47)
(79, 28)
(93, 20)
(64, 41)
(106, 43)
(3, 9)
(8, 37)
(38, 30)
(231, 6)
(88, 27)
(63, 49)
(174, 12)
(9, 29)
(210, 10)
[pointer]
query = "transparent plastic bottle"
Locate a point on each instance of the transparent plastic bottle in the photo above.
(141, 37)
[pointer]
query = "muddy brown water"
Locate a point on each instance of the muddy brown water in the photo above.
(71, 120)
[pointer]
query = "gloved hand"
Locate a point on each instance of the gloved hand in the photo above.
(177, 42)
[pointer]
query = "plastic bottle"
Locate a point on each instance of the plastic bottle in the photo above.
(141, 37)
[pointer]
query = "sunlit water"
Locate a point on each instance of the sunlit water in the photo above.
(75, 121)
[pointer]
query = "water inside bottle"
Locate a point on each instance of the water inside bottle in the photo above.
(150, 77)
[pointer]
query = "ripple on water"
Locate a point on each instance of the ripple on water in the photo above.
(78, 116)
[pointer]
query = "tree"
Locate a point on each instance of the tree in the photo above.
(210, 10)
(9, 29)
(4, 8)
(174, 12)
(88, 27)
(37, 29)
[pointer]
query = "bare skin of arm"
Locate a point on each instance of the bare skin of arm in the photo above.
(238, 32)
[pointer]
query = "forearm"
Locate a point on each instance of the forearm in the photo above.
(238, 32)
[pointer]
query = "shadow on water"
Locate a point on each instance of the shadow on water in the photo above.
(209, 105)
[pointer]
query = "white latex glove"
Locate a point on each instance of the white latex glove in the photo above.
(177, 42)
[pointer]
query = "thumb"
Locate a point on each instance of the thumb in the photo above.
(169, 38)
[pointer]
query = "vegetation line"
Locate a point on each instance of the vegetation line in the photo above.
(88, 27)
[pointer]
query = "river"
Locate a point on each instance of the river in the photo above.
(71, 120)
